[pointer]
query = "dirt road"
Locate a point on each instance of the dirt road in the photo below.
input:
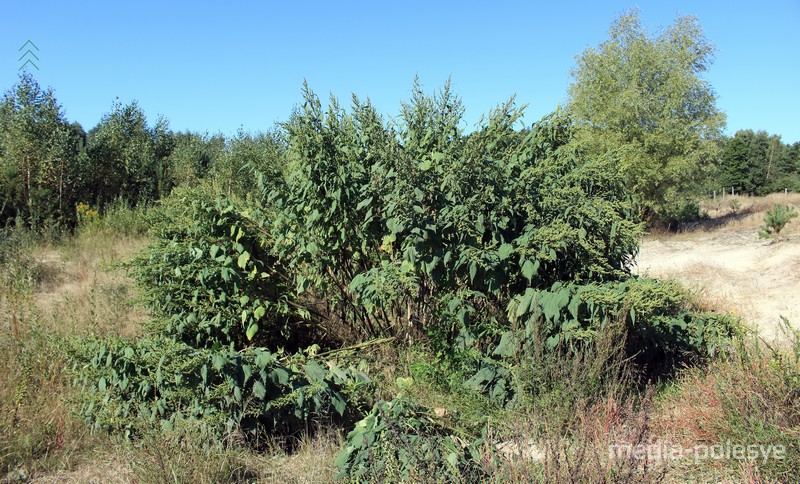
(736, 270)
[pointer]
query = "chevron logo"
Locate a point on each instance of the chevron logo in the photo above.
(29, 55)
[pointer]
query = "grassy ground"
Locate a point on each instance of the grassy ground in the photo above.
(57, 289)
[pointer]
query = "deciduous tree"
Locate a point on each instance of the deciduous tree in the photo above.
(642, 98)
(38, 155)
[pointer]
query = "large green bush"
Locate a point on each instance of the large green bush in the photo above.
(507, 251)
(379, 222)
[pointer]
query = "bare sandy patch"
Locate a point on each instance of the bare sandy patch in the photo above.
(726, 261)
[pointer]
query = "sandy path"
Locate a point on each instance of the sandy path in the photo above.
(757, 279)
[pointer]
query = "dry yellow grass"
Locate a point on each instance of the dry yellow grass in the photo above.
(84, 293)
(52, 291)
(734, 214)
(315, 456)
(76, 288)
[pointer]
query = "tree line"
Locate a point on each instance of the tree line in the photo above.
(48, 164)
(637, 99)
(757, 163)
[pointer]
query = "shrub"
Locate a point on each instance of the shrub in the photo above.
(592, 335)
(210, 281)
(776, 219)
(427, 212)
(508, 250)
(401, 441)
(128, 385)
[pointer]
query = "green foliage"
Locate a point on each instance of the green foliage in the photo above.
(40, 174)
(776, 219)
(382, 224)
(507, 250)
(401, 441)
(126, 384)
(247, 160)
(126, 158)
(643, 321)
(643, 98)
(20, 272)
(210, 282)
(193, 156)
(757, 163)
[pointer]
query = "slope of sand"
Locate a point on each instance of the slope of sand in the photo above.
(734, 269)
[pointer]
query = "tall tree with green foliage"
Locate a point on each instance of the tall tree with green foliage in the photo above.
(127, 157)
(246, 158)
(38, 155)
(193, 157)
(642, 98)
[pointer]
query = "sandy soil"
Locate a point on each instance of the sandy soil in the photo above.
(735, 270)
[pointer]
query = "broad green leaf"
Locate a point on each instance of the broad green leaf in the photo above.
(263, 359)
(259, 390)
(364, 203)
(529, 269)
(505, 251)
(259, 313)
(314, 372)
(338, 404)
(404, 383)
(218, 362)
(507, 345)
(280, 376)
(525, 302)
(553, 341)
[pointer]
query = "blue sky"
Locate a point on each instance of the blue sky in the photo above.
(220, 66)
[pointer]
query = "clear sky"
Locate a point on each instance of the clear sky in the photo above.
(220, 66)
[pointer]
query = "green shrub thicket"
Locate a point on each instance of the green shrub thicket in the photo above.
(503, 250)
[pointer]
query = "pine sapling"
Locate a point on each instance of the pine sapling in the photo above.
(776, 219)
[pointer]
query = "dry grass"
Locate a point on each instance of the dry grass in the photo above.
(84, 292)
(76, 288)
(733, 214)
(51, 291)
(748, 398)
(739, 203)
(595, 451)
(314, 456)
